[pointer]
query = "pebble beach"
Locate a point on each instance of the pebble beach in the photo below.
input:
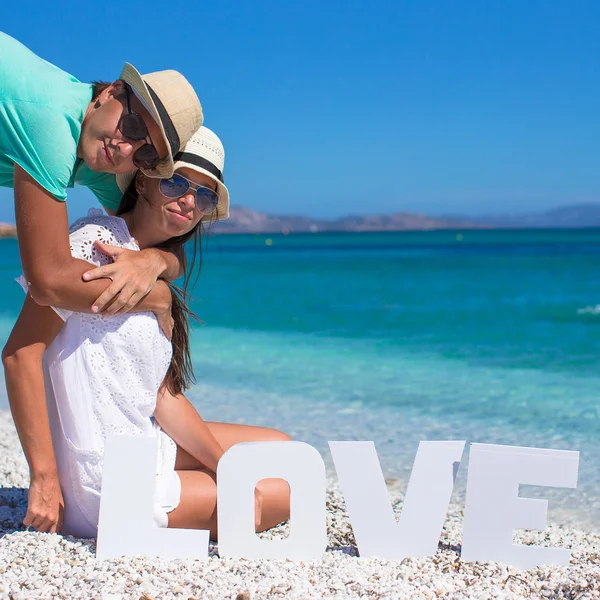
(39, 565)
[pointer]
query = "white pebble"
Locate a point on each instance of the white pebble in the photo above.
(36, 565)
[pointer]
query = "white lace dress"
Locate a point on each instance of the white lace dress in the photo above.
(102, 377)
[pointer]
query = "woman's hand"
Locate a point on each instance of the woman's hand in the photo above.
(45, 504)
(258, 506)
(133, 275)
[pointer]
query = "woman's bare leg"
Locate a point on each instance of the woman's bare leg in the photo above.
(276, 492)
(197, 508)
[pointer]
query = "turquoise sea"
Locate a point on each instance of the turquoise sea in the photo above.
(487, 336)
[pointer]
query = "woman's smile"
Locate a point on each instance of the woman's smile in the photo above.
(179, 216)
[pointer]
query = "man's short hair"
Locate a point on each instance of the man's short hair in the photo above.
(98, 88)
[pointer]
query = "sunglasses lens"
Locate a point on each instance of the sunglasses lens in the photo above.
(175, 187)
(146, 157)
(133, 127)
(206, 200)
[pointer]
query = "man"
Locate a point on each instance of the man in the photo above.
(55, 132)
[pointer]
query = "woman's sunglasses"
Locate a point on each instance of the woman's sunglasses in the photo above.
(133, 127)
(178, 186)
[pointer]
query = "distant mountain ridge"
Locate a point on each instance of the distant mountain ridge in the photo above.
(7, 230)
(578, 215)
(246, 220)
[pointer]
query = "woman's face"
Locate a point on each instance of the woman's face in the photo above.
(172, 216)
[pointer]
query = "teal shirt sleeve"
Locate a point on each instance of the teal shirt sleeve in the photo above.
(41, 110)
(40, 139)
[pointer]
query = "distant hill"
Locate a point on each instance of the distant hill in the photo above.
(7, 230)
(578, 215)
(246, 220)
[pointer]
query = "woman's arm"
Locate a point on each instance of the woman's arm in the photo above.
(55, 278)
(180, 420)
(35, 329)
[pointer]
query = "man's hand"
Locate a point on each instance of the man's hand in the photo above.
(133, 275)
(45, 505)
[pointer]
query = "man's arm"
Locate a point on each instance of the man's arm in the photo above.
(180, 420)
(174, 261)
(35, 329)
(169, 264)
(129, 265)
(55, 277)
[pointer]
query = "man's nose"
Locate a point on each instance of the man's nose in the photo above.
(126, 147)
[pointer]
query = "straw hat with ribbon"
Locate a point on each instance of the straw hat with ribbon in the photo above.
(174, 105)
(204, 154)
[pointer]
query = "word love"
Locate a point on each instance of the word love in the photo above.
(493, 508)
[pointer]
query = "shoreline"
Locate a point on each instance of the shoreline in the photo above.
(34, 565)
(9, 232)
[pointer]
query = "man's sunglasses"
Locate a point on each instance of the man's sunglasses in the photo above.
(178, 186)
(132, 126)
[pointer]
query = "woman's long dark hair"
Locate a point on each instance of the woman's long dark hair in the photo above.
(180, 375)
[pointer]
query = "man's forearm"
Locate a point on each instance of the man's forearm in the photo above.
(22, 356)
(27, 398)
(55, 277)
(72, 293)
(173, 262)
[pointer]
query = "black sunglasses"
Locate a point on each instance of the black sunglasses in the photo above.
(132, 126)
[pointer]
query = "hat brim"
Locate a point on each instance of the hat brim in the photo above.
(131, 76)
(124, 179)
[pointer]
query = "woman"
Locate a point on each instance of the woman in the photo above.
(122, 375)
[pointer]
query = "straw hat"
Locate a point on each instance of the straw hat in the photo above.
(172, 101)
(204, 153)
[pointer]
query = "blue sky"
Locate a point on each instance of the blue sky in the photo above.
(344, 107)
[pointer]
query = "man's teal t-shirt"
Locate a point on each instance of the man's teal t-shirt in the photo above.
(41, 110)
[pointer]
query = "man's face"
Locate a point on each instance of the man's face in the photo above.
(102, 145)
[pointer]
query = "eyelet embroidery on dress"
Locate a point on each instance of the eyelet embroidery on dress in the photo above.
(108, 230)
